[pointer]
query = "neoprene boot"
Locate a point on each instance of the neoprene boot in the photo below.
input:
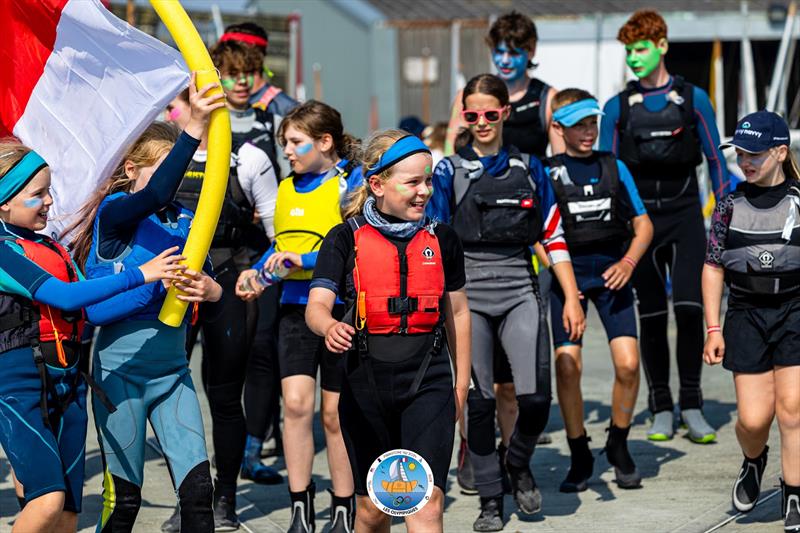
(303, 510)
(790, 508)
(491, 517)
(252, 467)
(628, 476)
(524, 489)
(581, 465)
(343, 513)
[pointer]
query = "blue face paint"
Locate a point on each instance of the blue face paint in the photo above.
(511, 63)
(303, 149)
(33, 203)
(751, 159)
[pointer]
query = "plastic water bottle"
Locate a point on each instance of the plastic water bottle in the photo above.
(265, 278)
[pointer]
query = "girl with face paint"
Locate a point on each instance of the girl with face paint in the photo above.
(307, 207)
(398, 389)
(42, 297)
(754, 248)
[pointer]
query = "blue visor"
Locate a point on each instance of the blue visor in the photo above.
(571, 114)
(19, 175)
(401, 149)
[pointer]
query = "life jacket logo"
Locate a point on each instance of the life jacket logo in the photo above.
(297, 212)
(766, 259)
(427, 253)
(526, 203)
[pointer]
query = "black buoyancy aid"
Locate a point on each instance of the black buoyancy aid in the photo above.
(589, 213)
(495, 210)
(236, 226)
(397, 290)
(665, 140)
(261, 135)
(525, 127)
(762, 248)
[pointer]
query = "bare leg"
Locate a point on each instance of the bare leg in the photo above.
(787, 404)
(506, 398)
(755, 401)
(569, 367)
(625, 355)
(370, 519)
(67, 523)
(429, 519)
(298, 414)
(41, 515)
(338, 462)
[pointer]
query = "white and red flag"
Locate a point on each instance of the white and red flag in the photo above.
(78, 85)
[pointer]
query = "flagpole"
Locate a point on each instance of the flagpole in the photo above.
(215, 181)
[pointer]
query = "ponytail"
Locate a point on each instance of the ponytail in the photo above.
(790, 167)
(355, 202)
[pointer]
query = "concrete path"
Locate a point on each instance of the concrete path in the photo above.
(686, 486)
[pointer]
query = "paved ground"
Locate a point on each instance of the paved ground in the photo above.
(686, 486)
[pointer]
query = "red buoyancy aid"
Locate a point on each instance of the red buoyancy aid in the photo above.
(397, 293)
(55, 325)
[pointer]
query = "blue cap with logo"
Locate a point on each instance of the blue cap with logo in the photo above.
(758, 132)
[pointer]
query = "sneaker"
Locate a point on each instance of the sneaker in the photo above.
(524, 489)
(747, 487)
(252, 467)
(790, 508)
(501, 454)
(173, 523)
(662, 428)
(465, 476)
(544, 438)
(581, 465)
(491, 517)
(225, 518)
(699, 430)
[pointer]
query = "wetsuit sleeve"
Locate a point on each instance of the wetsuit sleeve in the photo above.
(631, 198)
(552, 237)
(124, 304)
(709, 138)
(260, 263)
(439, 206)
(609, 133)
(720, 221)
(331, 264)
(260, 185)
(79, 294)
(127, 211)
(453, 252)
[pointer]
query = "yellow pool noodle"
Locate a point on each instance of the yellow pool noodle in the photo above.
(215, 181)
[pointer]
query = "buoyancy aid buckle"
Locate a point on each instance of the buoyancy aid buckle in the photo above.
(400, 305)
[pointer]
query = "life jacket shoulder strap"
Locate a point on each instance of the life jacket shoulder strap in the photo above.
(269, 95)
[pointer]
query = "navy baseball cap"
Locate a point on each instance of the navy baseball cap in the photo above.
(758, 132)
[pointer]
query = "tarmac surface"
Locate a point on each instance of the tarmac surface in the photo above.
(686, 486)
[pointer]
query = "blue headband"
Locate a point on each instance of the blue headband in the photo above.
(19, 175)
(571, 114)
(402, 148)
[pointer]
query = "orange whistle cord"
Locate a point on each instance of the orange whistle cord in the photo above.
(195, 313)
(361, 302)
(62, 356)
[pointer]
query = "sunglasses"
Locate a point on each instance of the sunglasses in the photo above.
(490, 115)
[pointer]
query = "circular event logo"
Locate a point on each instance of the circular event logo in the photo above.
(400, 482)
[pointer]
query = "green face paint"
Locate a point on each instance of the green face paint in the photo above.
(643, 57)
(427, 169)
(402, 189)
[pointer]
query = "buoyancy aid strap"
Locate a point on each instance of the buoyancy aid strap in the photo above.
(99, 393)
(47, 384)
(426, 362)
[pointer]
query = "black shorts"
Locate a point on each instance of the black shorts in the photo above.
(423, 423)
(758, 339)
(301, 351)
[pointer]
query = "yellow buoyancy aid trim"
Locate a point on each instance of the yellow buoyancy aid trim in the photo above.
(303, 219)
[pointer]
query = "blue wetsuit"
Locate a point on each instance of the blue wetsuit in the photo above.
(140, 362)
(615, 307)
(45, 459)
(676, 252)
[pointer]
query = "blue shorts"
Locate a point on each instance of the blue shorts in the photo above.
(616, 308)
(43, 460)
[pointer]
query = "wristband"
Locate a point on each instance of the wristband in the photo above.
(628, 260)
(713, 329)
